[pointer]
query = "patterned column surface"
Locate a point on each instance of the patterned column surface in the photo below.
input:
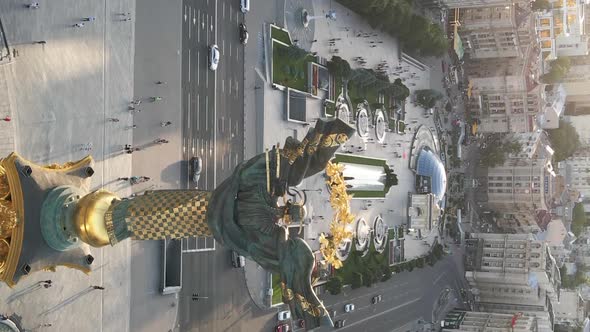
(157, 215)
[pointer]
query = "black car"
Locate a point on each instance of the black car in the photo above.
(340, 323)
(376, 299)
(243, 34)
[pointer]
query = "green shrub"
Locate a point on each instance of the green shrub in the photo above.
(368, 277)
(420, 262)
(357, 280)
(386, 273)
(334, 285)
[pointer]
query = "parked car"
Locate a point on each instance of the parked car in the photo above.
(284, 315)
(213, 57)
(349, 307)
(237, 260)
(376, 299)
(243, 33)
(196, 168)
(283, 328)
(340, 323)
(245, 6)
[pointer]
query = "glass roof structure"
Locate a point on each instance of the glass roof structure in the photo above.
(430, 165)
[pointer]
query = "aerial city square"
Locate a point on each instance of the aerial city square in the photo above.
(294, 165)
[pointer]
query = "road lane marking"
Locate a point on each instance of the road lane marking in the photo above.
(438, 278)
(188, 97)
(222, 86)
(198, 113)
(215, 106)
(188, 25)
(189, 64)
(381, 313)
(198, 76)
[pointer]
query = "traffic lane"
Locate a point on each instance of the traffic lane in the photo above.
(228, 306)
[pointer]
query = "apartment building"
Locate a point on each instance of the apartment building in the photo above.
(521, 188)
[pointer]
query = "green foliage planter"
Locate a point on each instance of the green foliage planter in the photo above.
(334, 285)
(280, 35)
(277, 295)
(290, 66)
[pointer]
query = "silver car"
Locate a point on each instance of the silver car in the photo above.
(213, 57)
(196, 168)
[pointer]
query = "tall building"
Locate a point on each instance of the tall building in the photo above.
(522, 187)
(561, 30)
(511, 273)
(505, 93)
(469, 321)
(576, 171)
(496, 31)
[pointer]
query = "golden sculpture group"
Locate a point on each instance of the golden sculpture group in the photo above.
(342, 218)
(7, 219)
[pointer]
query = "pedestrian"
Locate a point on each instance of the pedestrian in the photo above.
(144, 178)
(130, 151)
(134, 180)
(161, 141)
(136, 101)
(112, 119)
(127, 147)
(134, 110)
(89, 19)
(127, 19)
(7, 118)
(40, 42)
(160, 82)
(98, 287)
(156, 99)
(295, 40)
(314, 41)
(123, 179)
(124, 14)
(165, 124)
(34, 5)
(78, 25)
(132, 127)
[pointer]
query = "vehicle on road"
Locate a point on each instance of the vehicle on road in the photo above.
(283, 328)
(349, 307)
(196, 168)
(245, 6)
(213, 57)
(340, 323)
(284, 315)
(237, 260)
(376, 299)
(243, 33)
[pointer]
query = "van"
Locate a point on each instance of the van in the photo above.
(237, 260)
(245, 6)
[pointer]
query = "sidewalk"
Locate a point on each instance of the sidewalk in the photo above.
(62, 94)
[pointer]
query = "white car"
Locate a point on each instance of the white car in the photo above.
(284, 315)
(349, 307)
(245, 6)
(213, 57)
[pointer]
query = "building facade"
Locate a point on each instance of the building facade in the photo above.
(469, 321)
(511, 273)
(521, 188)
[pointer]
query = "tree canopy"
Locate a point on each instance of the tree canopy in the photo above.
(415, 32)
(539, 5)
(578, 219)
(564, 140)
(559, 68)
(427, 98)
(339, 67)
(497, 149)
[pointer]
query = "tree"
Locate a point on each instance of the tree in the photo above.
(564, 141)
(357, 280)
(334, 285)
(578, 219)
(398, 90)
(540, 5)
(559, 69)
(427, 98)
(339, 67)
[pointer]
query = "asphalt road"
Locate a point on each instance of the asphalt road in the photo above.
(224, 303)
(212, 101)
(407, 297)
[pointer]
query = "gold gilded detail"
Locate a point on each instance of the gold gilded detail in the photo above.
(4, 248)
(7, 219)
(65, 165)
(4, 186)
(89, 218)
(313, 144)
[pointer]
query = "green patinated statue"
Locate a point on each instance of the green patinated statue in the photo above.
(243, 214)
